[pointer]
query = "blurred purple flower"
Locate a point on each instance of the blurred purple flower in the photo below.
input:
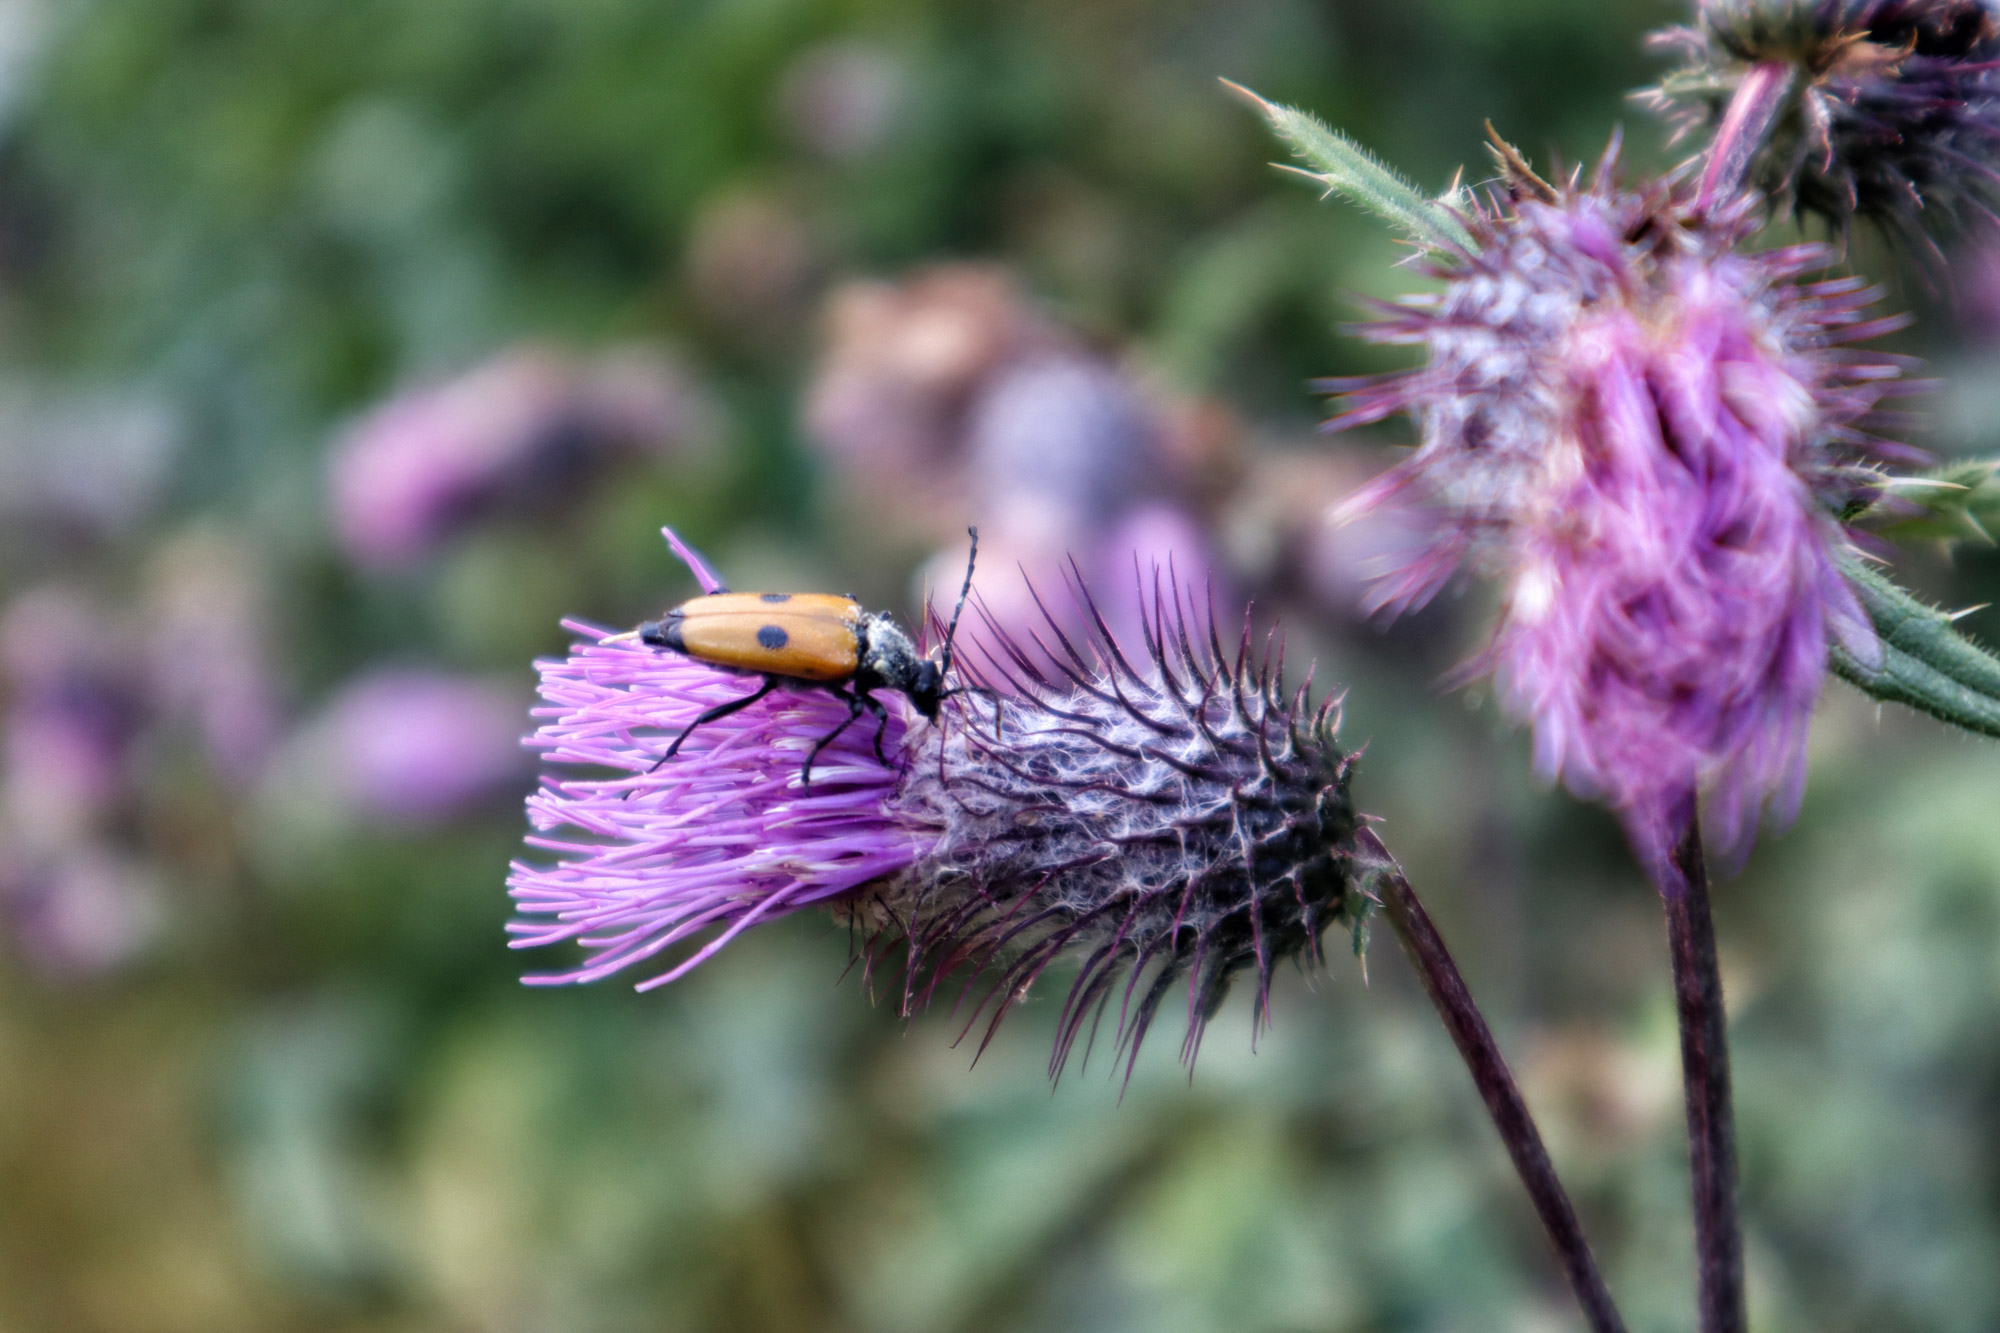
(406, 746)
(519, 431)
(947, 398)
(1062, 439)
(1150, 537)
(85, 914)
(1645, 434)
(1066, 457)
(1112, 819)
(1017, 577)
(1897, 114)
(85, 690)
(903, 365)
(724, 835)
(75, 708)
(66, 757)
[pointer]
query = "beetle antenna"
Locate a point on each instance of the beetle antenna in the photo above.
(944, 665)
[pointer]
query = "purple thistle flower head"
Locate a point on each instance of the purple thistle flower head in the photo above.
(76, 708)
(1177, 819)
(411, 747)
(720, 837)
(1894, 112)
(82, 913)
(717, 837)
(1645, 434)
(519, 432)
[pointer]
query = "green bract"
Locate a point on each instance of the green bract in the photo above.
(1924, 662)
(1344, 167)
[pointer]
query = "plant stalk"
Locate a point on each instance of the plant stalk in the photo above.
(1718, 1235)
(1504, 1104)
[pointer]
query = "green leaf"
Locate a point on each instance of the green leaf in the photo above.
(1925, 663)
(1344, 167)
(1957, 502)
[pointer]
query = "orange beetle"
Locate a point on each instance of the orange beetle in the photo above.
(807, 639)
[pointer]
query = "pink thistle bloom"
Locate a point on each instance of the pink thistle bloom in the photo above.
(88, 912)
(518, 431)
(412, 747)
(75, 709)
(1645, 434)
(723, 835)
(1180, 818)
(726, 834)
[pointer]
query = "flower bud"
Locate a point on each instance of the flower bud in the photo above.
(1179, 818)
(1895, 104)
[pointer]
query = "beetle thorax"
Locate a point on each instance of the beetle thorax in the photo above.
(887, 655)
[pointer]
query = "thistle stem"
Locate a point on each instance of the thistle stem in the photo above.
(1752, 111)
(1718, 1236)
(1509, 1112)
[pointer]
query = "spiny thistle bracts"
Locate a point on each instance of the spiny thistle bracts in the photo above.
(1645, 433)
(1891, 108)
(1177, 819)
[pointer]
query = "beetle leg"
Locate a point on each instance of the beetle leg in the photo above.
(881, 723)
(853, 711)
(714, 714)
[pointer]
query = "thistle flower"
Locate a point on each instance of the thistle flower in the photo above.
(948, 393)
(1893, 110)
(81, 914)
(76, 709)
(409, 746)
(1645, 434)
(1178, 819)
(724, 835)
(516, 432)
(902, 365)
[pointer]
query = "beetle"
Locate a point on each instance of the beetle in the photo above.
(807, 640)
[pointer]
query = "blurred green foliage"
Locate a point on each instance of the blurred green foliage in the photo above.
(320, 1100)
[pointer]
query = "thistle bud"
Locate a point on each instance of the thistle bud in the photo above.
(1181, 818)
(1178, 819)
(1893, 110)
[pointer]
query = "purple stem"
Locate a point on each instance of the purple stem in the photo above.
(1751, 113)
(1509, 1112)
(1718, 1236)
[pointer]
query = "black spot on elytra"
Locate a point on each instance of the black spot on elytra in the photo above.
(772, 637)
(774, 597)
